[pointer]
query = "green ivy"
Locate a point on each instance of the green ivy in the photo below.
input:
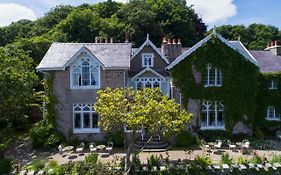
(240, 81)
(267, 98)
(44, 133)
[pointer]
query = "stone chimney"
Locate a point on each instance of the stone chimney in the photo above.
(274, 48)
(171, 50)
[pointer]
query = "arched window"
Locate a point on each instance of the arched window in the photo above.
(212, 115)
(85, 73)
(213, 76)
(148, 85)
(85, 119)
(156, 84)
(139, 85)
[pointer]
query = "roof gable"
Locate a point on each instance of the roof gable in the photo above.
(239, 47)
(149, 43)
(146, 70)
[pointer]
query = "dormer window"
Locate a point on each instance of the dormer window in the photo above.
(147, 59)
(85, 73)
(213, 77)
(273, 85)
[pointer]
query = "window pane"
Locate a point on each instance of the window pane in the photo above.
(148, 85)
(85, 76)
(220, 118)
(139, 85)
(204, 118)
(156, 85)
(87, 120)
(94, 76)
(95, 120)
(77, 120)
(212, 118)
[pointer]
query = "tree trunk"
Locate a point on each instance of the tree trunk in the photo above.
(129, 151)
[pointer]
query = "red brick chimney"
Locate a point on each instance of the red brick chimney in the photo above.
(274, 48)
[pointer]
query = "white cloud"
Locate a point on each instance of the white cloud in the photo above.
(214, 11)
(11, 12)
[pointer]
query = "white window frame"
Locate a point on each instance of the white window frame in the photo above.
(82, 112)
(93, 64)
(151, 80)
(273, 85)
(126, 130)
(143, 59)
(207, 109)
(215, 75)
(269, 110)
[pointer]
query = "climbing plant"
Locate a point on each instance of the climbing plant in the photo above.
(267, 97)
(44, 133)
(239, 86)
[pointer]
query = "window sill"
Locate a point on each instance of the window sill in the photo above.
(273, 119)
(212, 86)
(212, 128)
(85, 87)
(82, 131)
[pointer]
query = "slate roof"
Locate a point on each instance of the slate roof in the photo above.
(267, 61)
(111, 55)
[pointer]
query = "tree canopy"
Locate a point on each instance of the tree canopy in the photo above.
(139, 109)
(17, 80)
(255, 36)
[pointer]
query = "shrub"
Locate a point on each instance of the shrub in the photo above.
(44, 135)
(154, 160)
(239, 137)
(5, 166)
(91, 158)
(116, 137)
(275, 159)
(37, 164)
(202, 160)
(226, 159)
(256, 159)
(185, 139)
(136, 162)
(263, 144)
(242, 160)
(213, 135)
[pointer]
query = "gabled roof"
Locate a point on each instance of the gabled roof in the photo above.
(149, 43)
(267, 61)
(146, 70)
(111, 55)
(237, 46)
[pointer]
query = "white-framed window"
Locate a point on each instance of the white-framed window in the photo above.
(273, 85)
(129, 130)
(85, 73)
(272, 114)
(141, 83)
(213, 77)
(147, 59)
(212, 116)
(85, 119)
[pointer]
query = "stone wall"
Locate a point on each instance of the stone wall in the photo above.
(67, 97)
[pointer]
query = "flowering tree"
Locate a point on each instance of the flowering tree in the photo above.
(138, 109)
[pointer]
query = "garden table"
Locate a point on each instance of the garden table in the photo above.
(68, 148)
(101, 147)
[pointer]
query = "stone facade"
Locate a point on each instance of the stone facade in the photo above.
(67, 97)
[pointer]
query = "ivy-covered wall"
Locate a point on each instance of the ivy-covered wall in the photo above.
(240, 81)
(267, 98)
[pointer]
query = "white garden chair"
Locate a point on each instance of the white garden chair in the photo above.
(93, 147)
(231, 145)
(80, 148)
(218, 144)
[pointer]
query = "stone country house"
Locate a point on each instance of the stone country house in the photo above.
(81, 69)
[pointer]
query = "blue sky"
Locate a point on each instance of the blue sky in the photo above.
(213, 12)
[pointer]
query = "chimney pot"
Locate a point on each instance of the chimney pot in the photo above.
(105, 40)
(164, 39)
(126, 38)
(272, 44)
(276, 43)
(169, 41)
(96, 39)
(101, 39)
(111, 40)
(174, 41)
(179, 41)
